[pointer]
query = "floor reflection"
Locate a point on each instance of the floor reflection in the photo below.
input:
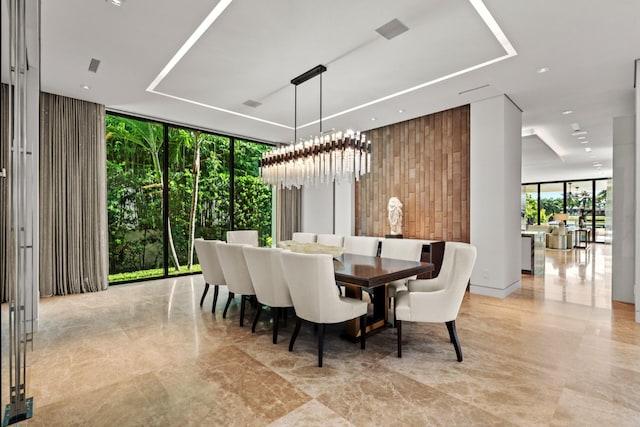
(578, 276)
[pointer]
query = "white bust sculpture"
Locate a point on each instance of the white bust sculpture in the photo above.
(395, 215)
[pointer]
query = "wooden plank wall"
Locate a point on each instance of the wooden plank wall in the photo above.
(425, 163)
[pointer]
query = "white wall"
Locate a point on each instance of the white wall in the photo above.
(624, 210)
(496, 151)
(637, 218)
(317, 209)
(345, 209)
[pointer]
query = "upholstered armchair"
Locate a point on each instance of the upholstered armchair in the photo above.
(404, 249)
(330, 240)
(236, 274)
(246, 237)
(265, 269)
(361, 245)
(439, 299)
(211, 268)
(311, 282)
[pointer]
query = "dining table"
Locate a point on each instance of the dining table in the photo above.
(371, 274)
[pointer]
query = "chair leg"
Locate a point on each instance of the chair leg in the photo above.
(276, 318)
(204, 294)
(363, 330)
(226, 307)
(320, 344)
(451, 326)
(399, 332)
(295, 333)
(215, 298)
(395, 318)
(255, 319)
(243, 299)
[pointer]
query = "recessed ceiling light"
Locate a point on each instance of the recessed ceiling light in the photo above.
(373, 119)
(567, 112)
(85, 87)
(542, 70)
(582, 137)
(584, 142)
(587, 149)
(401, 111)
(116, 3)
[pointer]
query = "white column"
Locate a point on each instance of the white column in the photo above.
(496, 151)
(637, 181)
(623, 256)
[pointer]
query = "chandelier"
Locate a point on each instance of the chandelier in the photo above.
(333, 157)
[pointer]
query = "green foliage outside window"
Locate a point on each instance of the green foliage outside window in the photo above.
(199, 195)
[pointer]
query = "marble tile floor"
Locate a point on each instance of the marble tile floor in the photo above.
(558, 352)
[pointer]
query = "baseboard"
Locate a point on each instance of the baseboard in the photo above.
(495, 292)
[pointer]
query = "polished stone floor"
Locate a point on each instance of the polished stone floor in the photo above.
(557, 352)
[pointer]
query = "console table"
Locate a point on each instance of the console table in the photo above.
(583, 237)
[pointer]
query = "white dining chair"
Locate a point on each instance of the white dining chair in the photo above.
(207, 253)
(236, 274)
(265, 269)
(311, 282)
(361, 245)
(404, 249)
(330, 240)
(247, 237)
(438, 300)
(304, 237)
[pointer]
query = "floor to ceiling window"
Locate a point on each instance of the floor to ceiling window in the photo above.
(199, 173)
(134, 198)
(198, 193)
(551, 201)
(252, 199)
(529, 204)
(587, 202)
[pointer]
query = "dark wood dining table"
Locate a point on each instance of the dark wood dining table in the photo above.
(372, 273)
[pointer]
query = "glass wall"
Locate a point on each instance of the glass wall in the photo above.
(252, 199)
(200, 169)
(602, 210)
(551, 201)
(134, 197)
(198, 193)
(580, 203)
(587, 202)
(529, 205)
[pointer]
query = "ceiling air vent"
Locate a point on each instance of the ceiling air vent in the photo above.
(251, 103)
(392, 29)
(93, 65)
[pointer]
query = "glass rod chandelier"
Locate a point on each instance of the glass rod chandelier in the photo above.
(334, 157)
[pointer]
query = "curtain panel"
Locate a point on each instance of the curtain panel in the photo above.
(288, 213)
(73, 207)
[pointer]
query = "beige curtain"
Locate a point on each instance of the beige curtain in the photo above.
(6, 254)
(288, 213)
(73, 213)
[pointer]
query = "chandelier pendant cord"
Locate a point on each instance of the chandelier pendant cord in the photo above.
(320, 105)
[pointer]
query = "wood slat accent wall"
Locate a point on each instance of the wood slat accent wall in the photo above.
(425, 163)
